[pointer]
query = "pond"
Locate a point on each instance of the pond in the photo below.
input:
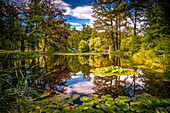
(69, 74)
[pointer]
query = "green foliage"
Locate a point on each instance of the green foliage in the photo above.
(93, 34)
(121, 104)
(53, 104)
(20, 55)
(95, 44)
(32, 25)
(15, 94)
(85, 33)
(82, 59)
(113, 71)
(83, 46)
(148, 103)
(112, 50)
(74, 38)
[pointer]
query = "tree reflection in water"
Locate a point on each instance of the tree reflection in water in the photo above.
(55, 73)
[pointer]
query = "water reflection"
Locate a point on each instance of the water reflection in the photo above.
(118, 85)
(80, 85)
(71, 75)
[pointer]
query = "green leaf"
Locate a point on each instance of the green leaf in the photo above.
(91, 110)
(123, 99)
(123, 106)
(110, 103)
(85, 98)
(57, 111)
(75, 96)
(108, 97)
(115, 109)
(161, 110)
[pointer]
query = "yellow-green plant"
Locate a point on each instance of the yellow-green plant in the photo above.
(113, 71)
(16, 94)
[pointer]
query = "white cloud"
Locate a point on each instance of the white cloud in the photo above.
(81, 87)
(101, 31)
(79, 28)
(75, 76)
(81, 12)
(74, 23)
(62, 3)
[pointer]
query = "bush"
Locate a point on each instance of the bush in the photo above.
(83, 46)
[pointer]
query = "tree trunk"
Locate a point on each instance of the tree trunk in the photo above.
(119, 39)
(116, 35)
(135, 22)
(45, 63)
(134, 84)
(112, 36)
(45, 42)
(32, 47)
(22, 45)
(119, 33)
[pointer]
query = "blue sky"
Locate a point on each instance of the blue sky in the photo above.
(79, 11)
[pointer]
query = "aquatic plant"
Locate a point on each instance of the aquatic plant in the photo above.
(52, 104)
(106, 104)
(63, 103)
(14, 91)
(114, 71)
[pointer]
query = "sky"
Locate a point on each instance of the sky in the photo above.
(79, 11)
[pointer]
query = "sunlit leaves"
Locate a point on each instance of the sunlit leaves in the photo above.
(147, 103)
(100, 104)
(83, 46)
(95, 44)
(123, 99)
(113, 71)
(75, 96)
(54, 103)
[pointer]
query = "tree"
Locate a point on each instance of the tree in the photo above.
(94, 33)
(107, 13)
(136, 12)
(54, 19)
(85, 33)
(95, 44)
(157, 33)
(83, 46)
(74, 38)
(8, 16)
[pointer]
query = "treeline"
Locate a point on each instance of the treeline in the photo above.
(89, 40)
(33, 24)
(128, 25)
(134, 24)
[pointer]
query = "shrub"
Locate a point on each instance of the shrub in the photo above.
(83, 46)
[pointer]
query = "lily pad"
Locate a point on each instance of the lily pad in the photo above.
(123, 106)
(123, 99)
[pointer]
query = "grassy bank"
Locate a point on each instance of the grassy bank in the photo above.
(19, 55)
(80, 54)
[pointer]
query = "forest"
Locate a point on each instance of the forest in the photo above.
(127, 25)
(124, 56)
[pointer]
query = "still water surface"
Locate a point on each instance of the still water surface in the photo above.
(72, 75)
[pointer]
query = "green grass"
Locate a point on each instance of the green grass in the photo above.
(19, 55)
(78, 53)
